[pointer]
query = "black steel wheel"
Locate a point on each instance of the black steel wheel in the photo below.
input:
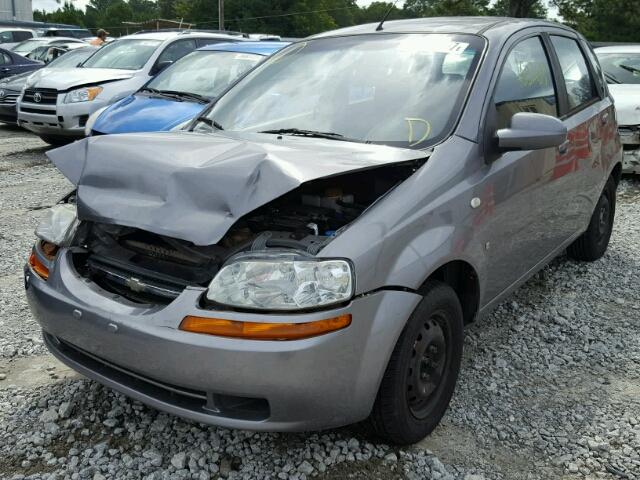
(427, 365)
(593, 243)
(423, 369)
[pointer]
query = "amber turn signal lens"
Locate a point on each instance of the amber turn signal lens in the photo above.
(263, 331)
(38, 267)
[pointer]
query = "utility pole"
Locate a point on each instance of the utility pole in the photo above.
(221, 14)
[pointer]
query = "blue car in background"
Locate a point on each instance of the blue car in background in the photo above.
(12, 63)
(180, 92)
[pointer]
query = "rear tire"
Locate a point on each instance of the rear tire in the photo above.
(56, 141)
(423, 369)
(593, 243)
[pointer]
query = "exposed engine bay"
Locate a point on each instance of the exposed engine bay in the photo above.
(145, 267)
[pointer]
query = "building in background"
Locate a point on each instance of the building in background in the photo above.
(16, 10)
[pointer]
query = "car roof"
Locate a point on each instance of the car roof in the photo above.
(469, 25)
(16, 29)
(619, 49)
(163, 36)
(258, 48)
(55, 39)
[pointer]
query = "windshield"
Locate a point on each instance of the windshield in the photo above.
(72, 58)
(123, 54)
(621, 67)
(398, 89)
(27, 45)
(204, 73)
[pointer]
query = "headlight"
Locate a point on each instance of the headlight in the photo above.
(282, 281)
(60, 224)
(86, 94)
(91, 121)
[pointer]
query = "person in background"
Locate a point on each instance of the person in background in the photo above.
(101, 37)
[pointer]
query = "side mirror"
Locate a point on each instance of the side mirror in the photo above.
(532, 131)
(160, 66)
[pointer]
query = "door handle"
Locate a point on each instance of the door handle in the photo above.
(605, 118)
(5, 69)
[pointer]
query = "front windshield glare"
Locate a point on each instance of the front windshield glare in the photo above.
(71, 59)
(621, 67)
(205, 73)
(397, 89)
(27, 45)
(123, 54)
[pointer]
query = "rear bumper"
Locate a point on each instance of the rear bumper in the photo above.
(310, 384)
(630, 138)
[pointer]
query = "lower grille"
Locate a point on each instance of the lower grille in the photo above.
(37, 110)
(242, 408)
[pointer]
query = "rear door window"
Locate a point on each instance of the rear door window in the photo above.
(580, 86)
(177, 50)
(21, 36)
(6, 37)
(525, 83)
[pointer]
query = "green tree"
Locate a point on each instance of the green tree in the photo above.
(603, 20)
(68, 13)
(376, 11)
(520, 8)
(434, 8)
(144, 9)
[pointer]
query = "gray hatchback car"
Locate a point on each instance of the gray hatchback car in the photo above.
(306, 254)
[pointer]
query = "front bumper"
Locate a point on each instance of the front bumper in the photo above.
(8, 112)
(59, 119)
(310, 384)
(630, 138)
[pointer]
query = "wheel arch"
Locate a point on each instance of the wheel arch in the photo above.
(462, 277)
(616, 173)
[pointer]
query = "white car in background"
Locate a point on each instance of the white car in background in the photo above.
(57, 106)
(621, 65)
(11, 36)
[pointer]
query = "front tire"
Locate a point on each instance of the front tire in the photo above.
(593, 243)
(423, 369)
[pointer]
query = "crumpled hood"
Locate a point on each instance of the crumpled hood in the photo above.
(143, 113)
(196, 186)
(627, 101)
(66, 78)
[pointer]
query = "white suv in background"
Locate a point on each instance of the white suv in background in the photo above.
(10, 36)
(56, 106)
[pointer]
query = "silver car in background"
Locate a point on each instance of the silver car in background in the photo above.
(621, 65)
(307, 253)
(56, 107)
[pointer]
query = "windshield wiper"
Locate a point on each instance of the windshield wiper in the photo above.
(611, 78)
(195, 96)
(629, 68)
(210, 122)
(312, 133)
(161, 93)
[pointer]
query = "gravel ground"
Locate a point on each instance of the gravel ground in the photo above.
(550, 385)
